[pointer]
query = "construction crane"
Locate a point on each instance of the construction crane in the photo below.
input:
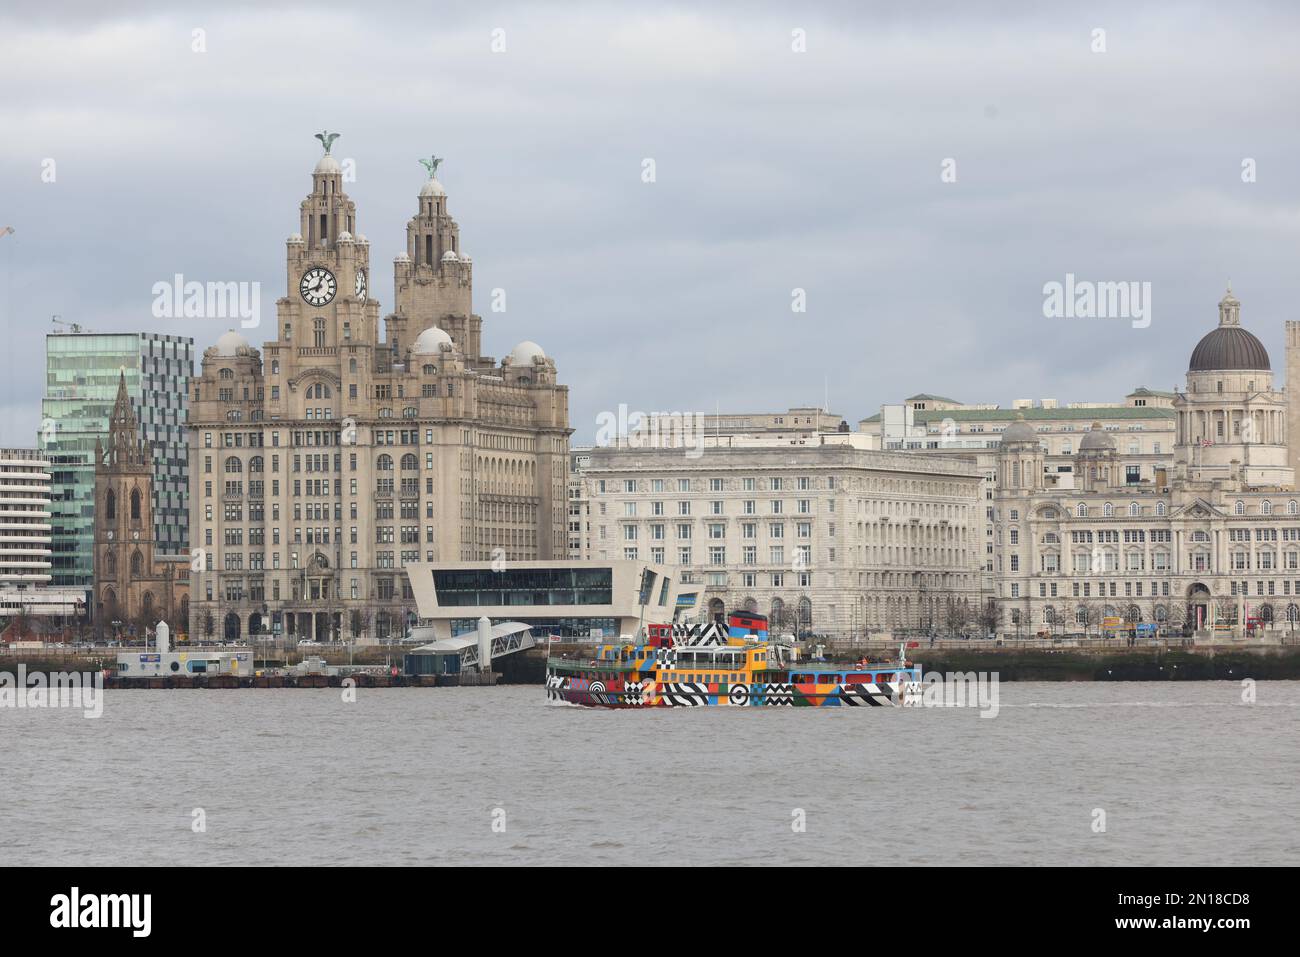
(74, 326)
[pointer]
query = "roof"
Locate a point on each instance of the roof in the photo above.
(923, 416)
(1230, 349)
(1009, 415)
(470, 638)
(933, 398)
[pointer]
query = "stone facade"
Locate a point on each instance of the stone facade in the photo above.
(825, 537)
(1214, 541)
(324, 463)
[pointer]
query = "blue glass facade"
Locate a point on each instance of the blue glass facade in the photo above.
(82, 371)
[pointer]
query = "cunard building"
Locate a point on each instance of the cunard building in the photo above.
(1212, 540)
(334, 456)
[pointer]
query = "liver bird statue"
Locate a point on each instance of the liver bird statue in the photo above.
(432, 164)
(327, 139)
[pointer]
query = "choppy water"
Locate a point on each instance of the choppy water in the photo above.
(1186, 773)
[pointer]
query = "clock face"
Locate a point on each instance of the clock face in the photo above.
(318, 286)
(361, 284)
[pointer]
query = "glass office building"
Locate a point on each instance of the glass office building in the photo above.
(82, 371)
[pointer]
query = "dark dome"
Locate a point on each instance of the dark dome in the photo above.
(1228, 348)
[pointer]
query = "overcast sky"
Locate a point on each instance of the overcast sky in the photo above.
(775, 170)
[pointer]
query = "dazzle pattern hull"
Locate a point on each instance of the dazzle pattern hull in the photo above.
(705, 667)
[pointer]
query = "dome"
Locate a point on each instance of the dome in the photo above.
(296, 238)
(345, 237)
(1229, 348)
(401, 258)
(431, 341)
(361, 238)
(1097, 440)
(524, 353)
(327, 164)
(1019, 431)
(230, 343)
(432, 187)
(450, 256)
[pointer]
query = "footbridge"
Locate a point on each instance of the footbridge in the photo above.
(500, 640)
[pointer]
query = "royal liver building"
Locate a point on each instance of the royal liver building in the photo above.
(329, 460)
(1212, 544)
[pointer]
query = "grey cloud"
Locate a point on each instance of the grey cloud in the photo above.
(775, 171)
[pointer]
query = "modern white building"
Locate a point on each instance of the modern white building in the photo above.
(576, 600)
(25, 539)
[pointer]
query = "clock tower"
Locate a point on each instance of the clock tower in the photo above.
(327, 310)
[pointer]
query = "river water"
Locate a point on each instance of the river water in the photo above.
(1184, 773)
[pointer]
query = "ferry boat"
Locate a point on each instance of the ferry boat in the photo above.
(732, 664)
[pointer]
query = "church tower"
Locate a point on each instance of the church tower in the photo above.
(128, 585)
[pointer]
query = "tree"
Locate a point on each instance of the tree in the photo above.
(955, 615)
(783, 620)
(1092, 615)
(990, 616)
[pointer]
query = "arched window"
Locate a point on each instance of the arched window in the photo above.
(135, 505)
(1266, 508)
(1081, 510)
(1160, 508)
(233, 464)
(1239, 508)
(255, 464)
(110, 505)
(1133, 508)
(137, 564)
(1108, 510)
(110, 565)
(384, 464)
(409, 463)
(226, 374)
(805, 612)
